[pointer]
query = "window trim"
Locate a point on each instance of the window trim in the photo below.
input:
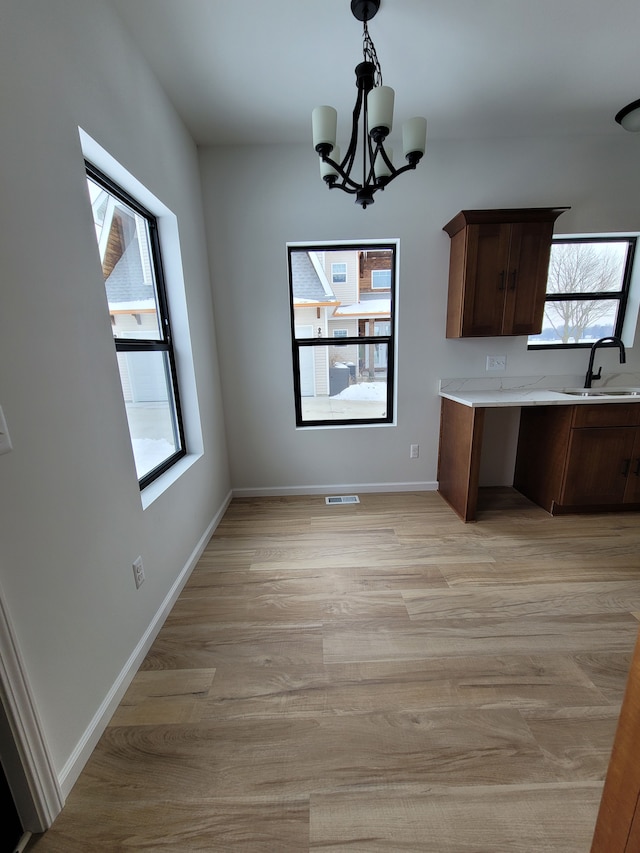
(620, 296)
(390, 340)
(163, 344)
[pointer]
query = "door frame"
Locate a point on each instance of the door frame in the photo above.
(27, 763)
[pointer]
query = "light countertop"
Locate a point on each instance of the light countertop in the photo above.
(538, 390)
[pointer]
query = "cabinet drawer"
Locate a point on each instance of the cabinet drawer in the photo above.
(607, 414)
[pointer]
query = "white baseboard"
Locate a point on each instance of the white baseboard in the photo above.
(335, 489)
(98, 724)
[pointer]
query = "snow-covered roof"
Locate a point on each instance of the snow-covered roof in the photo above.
(136, 307)
(367, 308)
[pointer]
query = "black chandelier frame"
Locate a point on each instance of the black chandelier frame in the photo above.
(368, 74)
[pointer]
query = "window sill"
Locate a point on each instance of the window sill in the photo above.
(166, 480)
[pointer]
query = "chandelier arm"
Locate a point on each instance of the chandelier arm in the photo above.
(369, 179)
(349, 158)
(366, 149)
(396, 172)
(332, 181)
(386, 159)
(343, 188)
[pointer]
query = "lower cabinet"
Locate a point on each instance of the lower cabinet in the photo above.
(578, 457)
(602, 466)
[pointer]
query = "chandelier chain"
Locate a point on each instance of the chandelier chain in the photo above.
(369, 53)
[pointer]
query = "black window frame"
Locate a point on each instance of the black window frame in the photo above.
(620, 296)
(165, 342)
(298, 344)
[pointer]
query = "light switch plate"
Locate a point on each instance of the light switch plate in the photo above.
(5, 440)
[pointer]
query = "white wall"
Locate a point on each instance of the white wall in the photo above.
(71, 518)
(257, 199)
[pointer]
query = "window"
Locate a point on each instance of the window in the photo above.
(129, 249)
(338, 273)
(380, 279)
(351, 382)
(587, 291)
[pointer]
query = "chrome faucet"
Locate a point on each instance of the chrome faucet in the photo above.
(610, 340)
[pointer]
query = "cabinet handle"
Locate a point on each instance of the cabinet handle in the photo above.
(637, 471)
(502, 277)
(625, 467)
(514, 274)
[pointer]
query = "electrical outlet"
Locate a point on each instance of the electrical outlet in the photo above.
(138, 572)
(496, 362)
(414, 451)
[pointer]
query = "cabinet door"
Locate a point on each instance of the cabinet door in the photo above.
(598, 466)
(632, 492)
(486, 278)
(526, 279)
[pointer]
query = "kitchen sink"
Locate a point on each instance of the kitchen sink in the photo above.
(602, 392)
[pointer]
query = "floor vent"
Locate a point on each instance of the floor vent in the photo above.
(343, 499)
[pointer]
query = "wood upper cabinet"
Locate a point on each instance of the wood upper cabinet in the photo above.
(580, 456)
(498, 270)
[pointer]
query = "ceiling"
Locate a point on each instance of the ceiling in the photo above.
(251, 72)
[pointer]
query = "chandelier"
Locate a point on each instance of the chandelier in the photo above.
(374, 103)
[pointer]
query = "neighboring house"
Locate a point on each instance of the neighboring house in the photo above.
(129, 284)
(340, 294)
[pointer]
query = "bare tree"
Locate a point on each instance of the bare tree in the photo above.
(580, 268)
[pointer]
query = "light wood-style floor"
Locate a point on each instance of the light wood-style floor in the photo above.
(374, 678)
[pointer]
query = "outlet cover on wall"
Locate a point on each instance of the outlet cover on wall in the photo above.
(138, 572)
(496, 363)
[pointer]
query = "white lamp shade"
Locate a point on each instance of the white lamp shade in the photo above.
(380, 107)
(327, 168)
(631, 121)
(414, 135)
(324, 121)
(380, 168)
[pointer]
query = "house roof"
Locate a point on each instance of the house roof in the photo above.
(126, 287)
(308, 289)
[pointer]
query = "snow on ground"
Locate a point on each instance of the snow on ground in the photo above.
(149, 452)
(364, 391)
